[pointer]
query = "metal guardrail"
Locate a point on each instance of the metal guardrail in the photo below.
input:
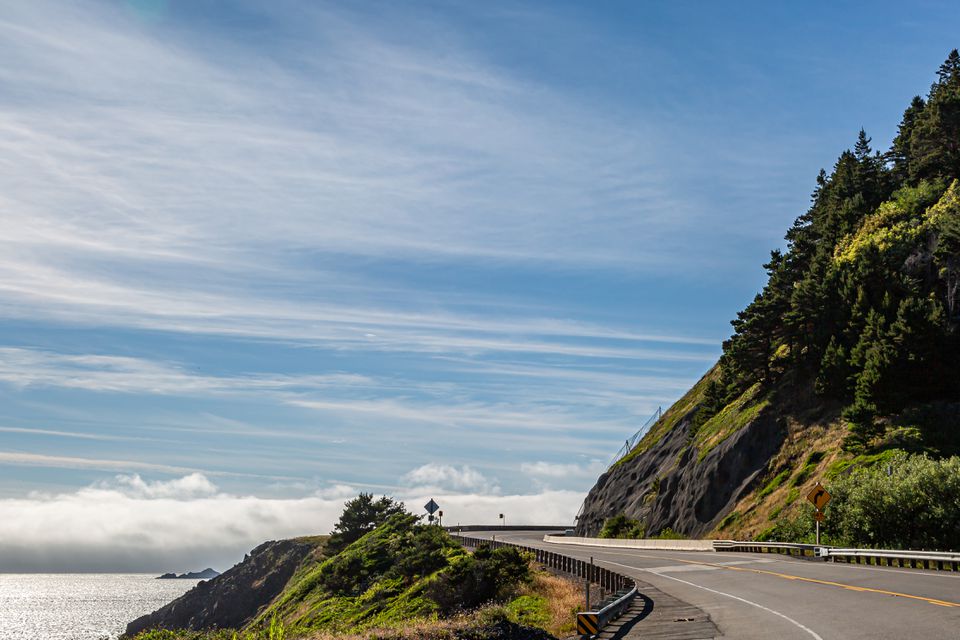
(589, 623)
(622, 588)
(937, 560)
(512, 527)
(787, 548)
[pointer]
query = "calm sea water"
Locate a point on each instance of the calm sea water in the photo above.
(79, 606)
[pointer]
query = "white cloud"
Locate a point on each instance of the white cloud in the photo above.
(563, 470)
(450, 478)
(129, 524)
(195, 485)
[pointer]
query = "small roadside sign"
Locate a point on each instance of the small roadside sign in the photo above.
(818, 516)
(431, 507)
(588, 623)
(819, 497)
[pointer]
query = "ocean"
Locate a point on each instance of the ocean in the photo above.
(79, 606)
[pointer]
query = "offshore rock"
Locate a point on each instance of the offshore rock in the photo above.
(206, 574)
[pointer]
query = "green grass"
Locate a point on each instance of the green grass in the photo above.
(774, 483)
(803, 475)
(864, 461)
(673, 415)
(529, 610)
(731, 419)
(669, 534)
(730, 520)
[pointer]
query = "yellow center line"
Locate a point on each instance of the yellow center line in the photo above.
(850, 587)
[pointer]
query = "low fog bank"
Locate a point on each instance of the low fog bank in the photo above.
(129, 525)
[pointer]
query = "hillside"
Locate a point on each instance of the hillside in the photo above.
(846, 358)
(399, 577)
(232, 598)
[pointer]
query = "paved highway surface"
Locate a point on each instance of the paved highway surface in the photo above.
(761, 596)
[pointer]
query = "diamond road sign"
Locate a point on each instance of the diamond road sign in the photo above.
(819, 497)
(431, 507)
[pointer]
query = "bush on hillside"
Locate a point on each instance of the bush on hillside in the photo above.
(906, 502)
(398, 549)
(487, 575)
(620, 526)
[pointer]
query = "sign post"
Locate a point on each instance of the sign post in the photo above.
(819, 497)
(432, 507)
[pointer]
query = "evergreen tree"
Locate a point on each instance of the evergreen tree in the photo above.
(360, 516)
(935, 138)
(866, 299)
(899, 154)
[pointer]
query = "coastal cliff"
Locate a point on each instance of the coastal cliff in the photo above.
(233, 598)
(688, 478)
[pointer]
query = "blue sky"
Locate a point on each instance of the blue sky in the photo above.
(256, 254)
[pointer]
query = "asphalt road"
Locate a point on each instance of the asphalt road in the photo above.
(763, 596)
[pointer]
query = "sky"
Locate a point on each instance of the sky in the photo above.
(259, 257)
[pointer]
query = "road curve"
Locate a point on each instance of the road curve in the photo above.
(761, 596)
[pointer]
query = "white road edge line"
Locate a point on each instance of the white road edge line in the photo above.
(729, 595)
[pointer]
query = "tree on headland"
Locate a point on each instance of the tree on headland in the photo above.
(360, 516)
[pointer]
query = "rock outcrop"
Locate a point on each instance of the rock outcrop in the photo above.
(671, 485)
(206, 574)
(233, 598)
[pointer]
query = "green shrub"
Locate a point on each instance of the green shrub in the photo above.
(487, 575)
(620, 526)
(900, 501)
(669, 534)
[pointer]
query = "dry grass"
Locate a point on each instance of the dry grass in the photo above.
(564, 598)
(757, 514)
(411, 630)
(424, 629)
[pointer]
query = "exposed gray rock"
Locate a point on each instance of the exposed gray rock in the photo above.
(666, 486)
(206, 574)
(233, 598)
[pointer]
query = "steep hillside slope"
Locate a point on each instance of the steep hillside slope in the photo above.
(847, 355)
(400, 576)
(233, 598)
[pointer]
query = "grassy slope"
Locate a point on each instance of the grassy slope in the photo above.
(389, 608)
(672, 416)
(811, 453)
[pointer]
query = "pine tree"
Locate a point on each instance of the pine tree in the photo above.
(899, 153)
(935, 139)
(949, 71)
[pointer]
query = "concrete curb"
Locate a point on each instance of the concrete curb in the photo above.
(657, 545)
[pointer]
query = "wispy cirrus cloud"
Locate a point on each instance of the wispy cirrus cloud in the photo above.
(126, 173)
(389, 203)
(124, 374)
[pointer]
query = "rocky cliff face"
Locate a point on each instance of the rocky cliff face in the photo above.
(688, 478)
(233, 598)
